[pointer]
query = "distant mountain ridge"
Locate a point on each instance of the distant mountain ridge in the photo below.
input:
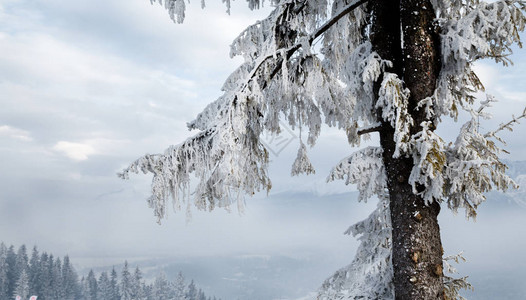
(517, 171)
(516, 168)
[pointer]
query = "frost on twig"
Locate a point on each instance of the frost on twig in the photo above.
(225, 161)
(505, 126)
(472, 30)
(429, 164)
(473, 164)
(393, 103)
(365, 169)
(452, 286)
(227, 156)
(370, 274)
(302, 163)
(460, 173)
(177, 8)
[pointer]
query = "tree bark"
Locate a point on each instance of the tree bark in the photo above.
(416, 246)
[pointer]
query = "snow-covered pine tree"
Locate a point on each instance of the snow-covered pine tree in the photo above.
(34, 272)
(21, 263)
(58, 284)
(191, 291)
(11, 270)
(50, 291)
(202, 295)
(161, 289)
(138, 285)
(126, 283)
(114, 284)
(4, 280)
(180, 287)
(83, 291)
(69, 280)
(395, 68)
(22, 285)
(90, 286)
(104, 287)
(44, 277)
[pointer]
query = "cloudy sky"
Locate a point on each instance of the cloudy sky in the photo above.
(88, 86)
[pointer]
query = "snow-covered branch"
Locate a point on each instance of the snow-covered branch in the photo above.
(370, 274)
(473, 166)
(177, 8)
(508, 126)
(264, 59)
(227, 156)
(471, 32)
(368, 129)
(452, 286)
(228, 159)
(365, 169)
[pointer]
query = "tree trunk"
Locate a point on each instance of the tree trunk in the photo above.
(417, 249)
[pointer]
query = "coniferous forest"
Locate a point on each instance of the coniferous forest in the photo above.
(55, 278)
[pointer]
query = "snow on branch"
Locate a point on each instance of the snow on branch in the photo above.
(306, 41)
(505, 126)
(302, 163)
(177, 8)
(370, 274)
(227, 156)
(429, 162)
(365, 168)
(452, 286)
(260, 72)
(259, 45)
(470, 32)
(462, 172)
(228, 159)
(368, 129)
(473, 165)
(393, 100)
(486, 30)
(270, 34)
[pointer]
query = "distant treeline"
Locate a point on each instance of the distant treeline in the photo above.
(52, 278)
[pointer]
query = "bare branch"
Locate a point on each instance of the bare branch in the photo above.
(509, 126)
(369, 130)
(347, 9)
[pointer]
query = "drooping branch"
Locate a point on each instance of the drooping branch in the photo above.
(274, 31)
(317, 33)
(177, 8)
(279, 55)
(226, 154)
(289, 52)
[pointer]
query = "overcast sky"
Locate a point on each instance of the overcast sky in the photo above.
(88, 86)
